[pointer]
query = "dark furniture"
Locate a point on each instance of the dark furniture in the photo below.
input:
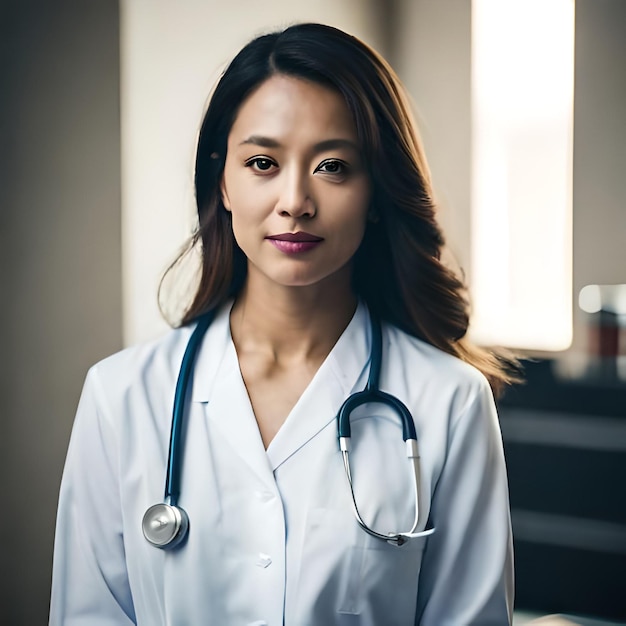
(565, 446)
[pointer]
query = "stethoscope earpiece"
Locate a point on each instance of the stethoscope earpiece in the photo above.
(164, 525)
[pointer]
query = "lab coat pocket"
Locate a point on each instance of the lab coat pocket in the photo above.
(388, 579)
(384, 589)
(357, 574)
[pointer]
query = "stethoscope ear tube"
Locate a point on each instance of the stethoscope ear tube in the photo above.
(370, 395)
(172, 481)
(373, 396)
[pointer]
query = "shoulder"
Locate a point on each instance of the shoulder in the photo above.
(127, 397)
(137, 383)
(429, 371)
(141, 379)
(431, 361)
(152, 360)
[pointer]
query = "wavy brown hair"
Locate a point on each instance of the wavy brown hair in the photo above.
(397, 269)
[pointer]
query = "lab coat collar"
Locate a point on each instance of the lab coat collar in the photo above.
(334, 381)
(211, 354)
(218, 383)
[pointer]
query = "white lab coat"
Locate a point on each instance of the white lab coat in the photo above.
(273, 539)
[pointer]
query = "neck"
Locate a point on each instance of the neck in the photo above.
(291, 322)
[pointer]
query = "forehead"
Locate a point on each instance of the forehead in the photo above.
(289, 107)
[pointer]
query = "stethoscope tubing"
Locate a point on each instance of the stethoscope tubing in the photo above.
(165, 525)
(173, 475)
(372, 394)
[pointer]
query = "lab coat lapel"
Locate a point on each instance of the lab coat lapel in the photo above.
(230, 410)
(219, 387)
(334, 381)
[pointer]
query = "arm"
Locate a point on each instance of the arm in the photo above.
(89, 582)
(467, 571)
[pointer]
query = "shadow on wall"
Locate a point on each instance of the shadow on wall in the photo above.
(60, 241)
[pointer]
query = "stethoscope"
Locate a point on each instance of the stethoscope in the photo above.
(165, 525)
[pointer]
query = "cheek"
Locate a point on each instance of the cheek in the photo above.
(355, 211)
(244, 206)
(236, 191)
(247, 226)
(241, 226)
(248, 199)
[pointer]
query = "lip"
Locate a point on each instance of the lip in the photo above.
(294, 243)
(296, 237)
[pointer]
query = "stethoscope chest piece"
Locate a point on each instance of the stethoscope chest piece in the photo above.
(164, 525)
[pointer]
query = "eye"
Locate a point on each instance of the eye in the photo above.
(260, 164)
(332, 166)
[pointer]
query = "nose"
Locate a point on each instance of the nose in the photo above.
(295, 199)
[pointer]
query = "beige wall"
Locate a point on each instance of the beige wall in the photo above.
(599, 148)
(432, 56)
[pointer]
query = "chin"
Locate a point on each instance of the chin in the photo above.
(303, 277)
(328, 281)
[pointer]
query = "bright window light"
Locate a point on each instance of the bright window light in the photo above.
(522, 126)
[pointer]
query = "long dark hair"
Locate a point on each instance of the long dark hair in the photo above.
(397, 269)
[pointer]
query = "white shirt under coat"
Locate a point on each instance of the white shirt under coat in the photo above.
(273, 540)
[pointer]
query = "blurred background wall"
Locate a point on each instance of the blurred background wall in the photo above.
(64, 238)
(60, 225)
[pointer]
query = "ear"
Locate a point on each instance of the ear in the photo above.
(224, 194)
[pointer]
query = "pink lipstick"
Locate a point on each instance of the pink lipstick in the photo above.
(294, 243)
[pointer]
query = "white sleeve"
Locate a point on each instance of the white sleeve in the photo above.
(467, 569)
(89, 581)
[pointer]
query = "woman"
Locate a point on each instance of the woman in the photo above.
(315, 216)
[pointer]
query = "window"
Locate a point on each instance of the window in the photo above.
(522, 127)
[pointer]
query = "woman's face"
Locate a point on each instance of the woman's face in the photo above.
(295, 183)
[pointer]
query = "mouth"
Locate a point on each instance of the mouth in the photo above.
(294, 243)
(299, 237)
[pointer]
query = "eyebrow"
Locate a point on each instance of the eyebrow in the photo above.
(327, 144)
